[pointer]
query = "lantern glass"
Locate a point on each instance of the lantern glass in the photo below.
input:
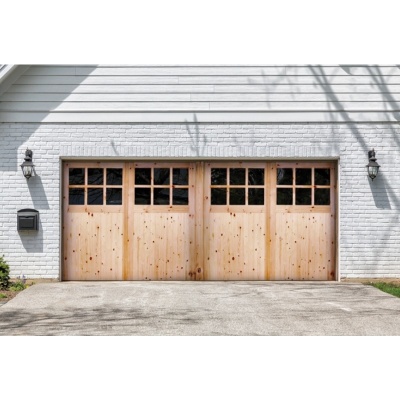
(27, 171)
(373, 172)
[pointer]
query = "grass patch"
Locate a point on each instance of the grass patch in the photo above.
(390, 288)
(2, 296)
(18, 286)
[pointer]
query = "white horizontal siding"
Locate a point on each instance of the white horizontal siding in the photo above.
(209, 97)
(214, 70)
(328, 93)
(199, 106)
(235, 89)
(208, 79)
(82, 88)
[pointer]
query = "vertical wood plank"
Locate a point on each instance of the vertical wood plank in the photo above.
(197, 216)
(271, 221)
(205, 205)
(127, 253)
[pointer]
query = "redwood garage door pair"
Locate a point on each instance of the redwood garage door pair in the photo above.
(199, 221)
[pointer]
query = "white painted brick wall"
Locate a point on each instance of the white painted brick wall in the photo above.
(369, 212)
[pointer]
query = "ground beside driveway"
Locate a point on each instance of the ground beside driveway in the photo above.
(201, 308)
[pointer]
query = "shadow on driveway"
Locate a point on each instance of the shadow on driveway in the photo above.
(201, 308)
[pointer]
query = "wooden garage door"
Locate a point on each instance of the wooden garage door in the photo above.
(93, 221)
(199, 221)
(302, 221)
(160, 222)
(235, 222)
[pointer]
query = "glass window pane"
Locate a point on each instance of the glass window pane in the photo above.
(303, 176)
(256, 197)
(218, 176)
(303, 197)
(142, 177)
(218, 196)
(142, 196)
(95, 176)
(256, 176)
(77, 176)
(322, 176)
(237, 176)
(161, 176)
(114, 176)
(322, 197)
(237, 196)
(180, 197)
(284, 196)
(95, 196)
(76, 196)
(284, 176)
(180, 176)
(114, 196)
(161, 196)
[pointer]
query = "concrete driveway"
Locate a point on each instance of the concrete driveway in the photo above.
(201, 308)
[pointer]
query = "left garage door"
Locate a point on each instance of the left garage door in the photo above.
(93, 221)
(129, 221)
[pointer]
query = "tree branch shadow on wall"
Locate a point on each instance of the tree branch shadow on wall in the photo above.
(198, 141)
(115, 150)
(335, 102)
(384, 195)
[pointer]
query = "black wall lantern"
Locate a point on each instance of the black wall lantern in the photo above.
(373, 166)
(28, 169)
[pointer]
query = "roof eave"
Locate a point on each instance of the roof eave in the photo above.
(6, 71)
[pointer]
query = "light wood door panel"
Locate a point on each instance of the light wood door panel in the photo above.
(302, 247)
(302, 237)
(234, 235)
(161, 236)
(93, 235)
(161, 247)
(235, 246)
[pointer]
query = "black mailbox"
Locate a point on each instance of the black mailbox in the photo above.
(28, 220)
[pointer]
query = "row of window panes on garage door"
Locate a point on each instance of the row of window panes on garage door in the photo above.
(303, 186)
(98, 186)
(170, 186)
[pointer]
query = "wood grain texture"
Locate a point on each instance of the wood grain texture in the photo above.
(200, 241)
(93, 236)
(234, 236)
(161, 246)
(302, 238)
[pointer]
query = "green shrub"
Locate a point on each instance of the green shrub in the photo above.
(4, 274)
(17, 286)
